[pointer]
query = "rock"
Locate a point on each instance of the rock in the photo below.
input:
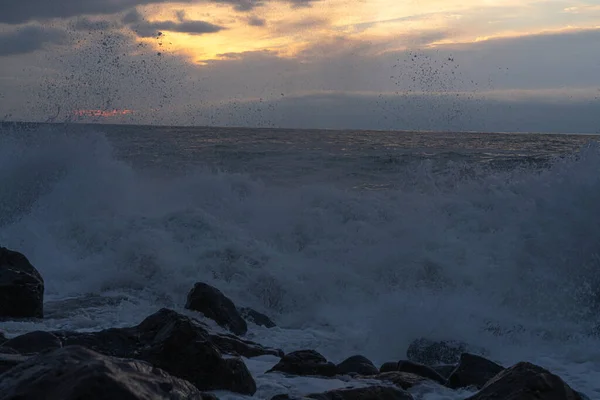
(357, 365)
(174, 343)
(389, 367)
(8, 361)
(8, 350)
(215, 305)
(526, 381)
(445, 370)
(34, 342)
(431, 353)
(404, 380)
(305, 362)
(366, 393)
(2, 338)
(21, 287)
(421, 370)
(258, 318)
(74, 372)
(230, 344)
(473, 370)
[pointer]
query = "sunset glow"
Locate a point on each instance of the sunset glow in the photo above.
(102, 113)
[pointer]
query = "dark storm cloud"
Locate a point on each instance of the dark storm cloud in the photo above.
(149, 29)
(21, 11)
(135, 20)
(29, 38)
(86, 24)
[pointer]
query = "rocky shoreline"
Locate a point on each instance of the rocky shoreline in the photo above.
(174, 356)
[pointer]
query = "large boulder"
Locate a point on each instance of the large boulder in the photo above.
(174, 343)
(74, 373)
(34, 342)
(305, 362)
(184, 351)
(473, 371)
(430, 352)
(21, 287)
(526, 381)
(260, 319)
(359, 365)
(211, 302)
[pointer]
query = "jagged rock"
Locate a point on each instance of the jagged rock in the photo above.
(258, 318)
(21, 287)
(431, 353)
(117, 342)
(366, 393)
(230, 344)
(34, 342)
(526, 381)
(183, 351)
(172, 342)
(404, 380)
(445, 370)
(10, 360)
(305, 362)
(74, 372)
(474, 371)
(357, 365)
(211, 302)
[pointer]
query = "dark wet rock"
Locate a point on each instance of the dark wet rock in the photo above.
(305, 362)
(174, 343)
(117, 342)
(10, 360)
(404, 380)
(357, 365)
(389, 367)
(366, 393)
(21, 287)
(211, 302)
(526, 381)
(74, 373)
(445, 370)
(474, 371)
(179, 348)
(431, 352)
(230, 344)
(2, 338)
(421, 370)
(34, 342)
(413, 368)
(258, 318)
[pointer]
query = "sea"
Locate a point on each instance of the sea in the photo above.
(353, 242)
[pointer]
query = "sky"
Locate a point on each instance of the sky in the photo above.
(486, 65)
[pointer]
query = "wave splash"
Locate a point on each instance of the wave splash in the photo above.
(510, 253)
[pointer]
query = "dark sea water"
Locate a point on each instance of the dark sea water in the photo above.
(353, 241)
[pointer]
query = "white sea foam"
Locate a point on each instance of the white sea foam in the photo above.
(341, 271)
